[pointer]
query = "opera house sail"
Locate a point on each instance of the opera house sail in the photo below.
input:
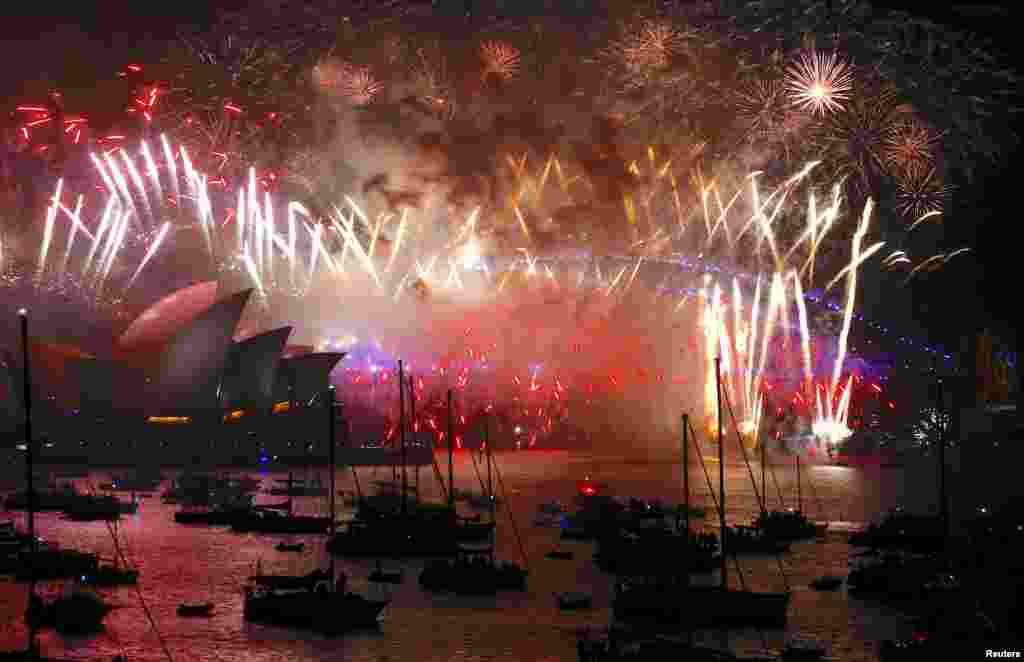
(179, 386)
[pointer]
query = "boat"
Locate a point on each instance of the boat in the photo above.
(560, 555)
(656, 601)
(191, 610)
(289, 547)
(309, 581)
(314, 601)
(79, 612)
(901, 530)
(321, 610)
(789, 524)
(51, 562)
(826, 583)
(573, 600)
(266, 520)
(380, 576)
(656, 551)
(946, 633)
(52, 499)
(623, 645)
(752, 539)
(474, 571)
(138, 481)
(298, 488)
(92, 508)
(391, 525)
(111, 575)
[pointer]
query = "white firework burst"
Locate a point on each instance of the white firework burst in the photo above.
(819, 83)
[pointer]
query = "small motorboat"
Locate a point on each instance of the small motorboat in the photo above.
(573, 600)
(559, 554)
(290, 546)
(187, 610)
(826, 583)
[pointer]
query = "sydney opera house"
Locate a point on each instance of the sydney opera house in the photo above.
(184, 384)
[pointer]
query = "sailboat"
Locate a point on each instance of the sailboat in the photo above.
(474, 570)
(644, 550)
(312, 601)
(787, 524)
(654, 605)
(422, 530)
(79, 611)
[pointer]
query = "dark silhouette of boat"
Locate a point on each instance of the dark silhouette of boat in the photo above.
(472, 572)
(52, 499)
(573, 600)
(76, 613)
(289, 547)
(381, 576)
(559, 555)
(656, 601)
(655, 604)
(901, 530)
(298, 488)
(92, 508)
(826, 583)
(268, 520)
(139, 481)
(309, 581)
(656, 551)
(954, 632)
(637, 646)
(188, 610)
(51, 562)
(747, 539)
(317, 608)
(111, 575)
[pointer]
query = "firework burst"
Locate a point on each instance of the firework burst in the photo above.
(647, 48)
(819, 83)
(500, 59)
(909, 144)
(921, 191)
(355, 84)
(763, 112)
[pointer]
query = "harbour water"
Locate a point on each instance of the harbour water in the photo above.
(180, 563)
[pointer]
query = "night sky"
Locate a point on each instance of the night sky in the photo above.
(91, 40)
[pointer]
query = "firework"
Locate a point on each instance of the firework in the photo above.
(355, 84)
(819, 83)
(500, 59)
(647, 47)
(910, 144)
(761, 106)
(921, 192)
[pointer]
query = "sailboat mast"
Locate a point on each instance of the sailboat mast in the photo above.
(721, 475)
(686, 475)
(331, 460)
(490, 488)
(401, 431)
(943, 499)
(764, 480)
(331, 453)
(799, 493)
(412, 427)
(26, 388)
(451, 468)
